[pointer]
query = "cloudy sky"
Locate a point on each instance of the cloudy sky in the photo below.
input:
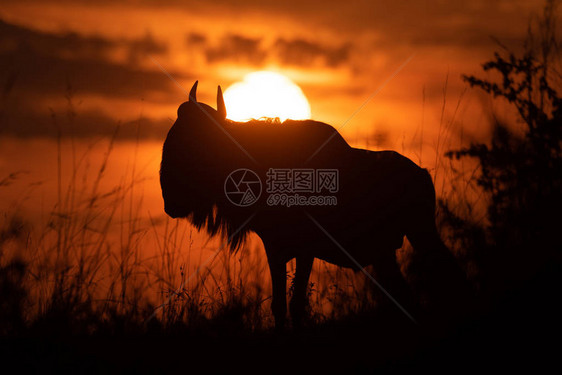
(93, 64)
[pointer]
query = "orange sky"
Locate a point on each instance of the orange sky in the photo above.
(87, 66)
(340, 53)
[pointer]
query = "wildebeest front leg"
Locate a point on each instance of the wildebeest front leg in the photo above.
(278, 270)
(300, 284)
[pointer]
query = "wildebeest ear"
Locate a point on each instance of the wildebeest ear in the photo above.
(193, 92)
(221, 108)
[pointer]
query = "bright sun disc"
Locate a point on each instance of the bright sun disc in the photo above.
(266, 94)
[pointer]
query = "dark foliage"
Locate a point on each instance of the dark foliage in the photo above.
(521, 168)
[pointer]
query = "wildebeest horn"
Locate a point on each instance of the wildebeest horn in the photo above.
(193, 92)
(221, 108)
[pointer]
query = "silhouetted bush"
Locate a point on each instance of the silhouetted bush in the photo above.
(521, 167)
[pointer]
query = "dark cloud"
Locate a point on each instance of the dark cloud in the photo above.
(235, 48)
(14, 39)
(39, 69)
(306, 53)
(195, 39)
(238, 49)
(140, 48)
(395, 21)
(26, 121)
(43, 64)
(47, 76)
(445, 22)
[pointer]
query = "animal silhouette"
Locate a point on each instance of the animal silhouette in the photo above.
(381, 197)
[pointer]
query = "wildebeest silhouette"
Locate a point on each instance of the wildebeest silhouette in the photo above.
(381, 197)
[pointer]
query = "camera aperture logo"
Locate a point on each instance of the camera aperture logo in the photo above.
(242, 187)
(285, 187)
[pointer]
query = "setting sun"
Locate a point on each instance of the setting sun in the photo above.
(266, 94)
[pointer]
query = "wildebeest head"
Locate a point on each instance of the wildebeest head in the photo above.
(193, 113)
(190, 176)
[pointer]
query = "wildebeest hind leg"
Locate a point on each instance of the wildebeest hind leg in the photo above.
(299, 299)
(436, 274)
(400, 296)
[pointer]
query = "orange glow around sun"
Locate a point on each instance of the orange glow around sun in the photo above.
(266, 94)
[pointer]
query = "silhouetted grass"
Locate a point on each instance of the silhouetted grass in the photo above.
(96, 266)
